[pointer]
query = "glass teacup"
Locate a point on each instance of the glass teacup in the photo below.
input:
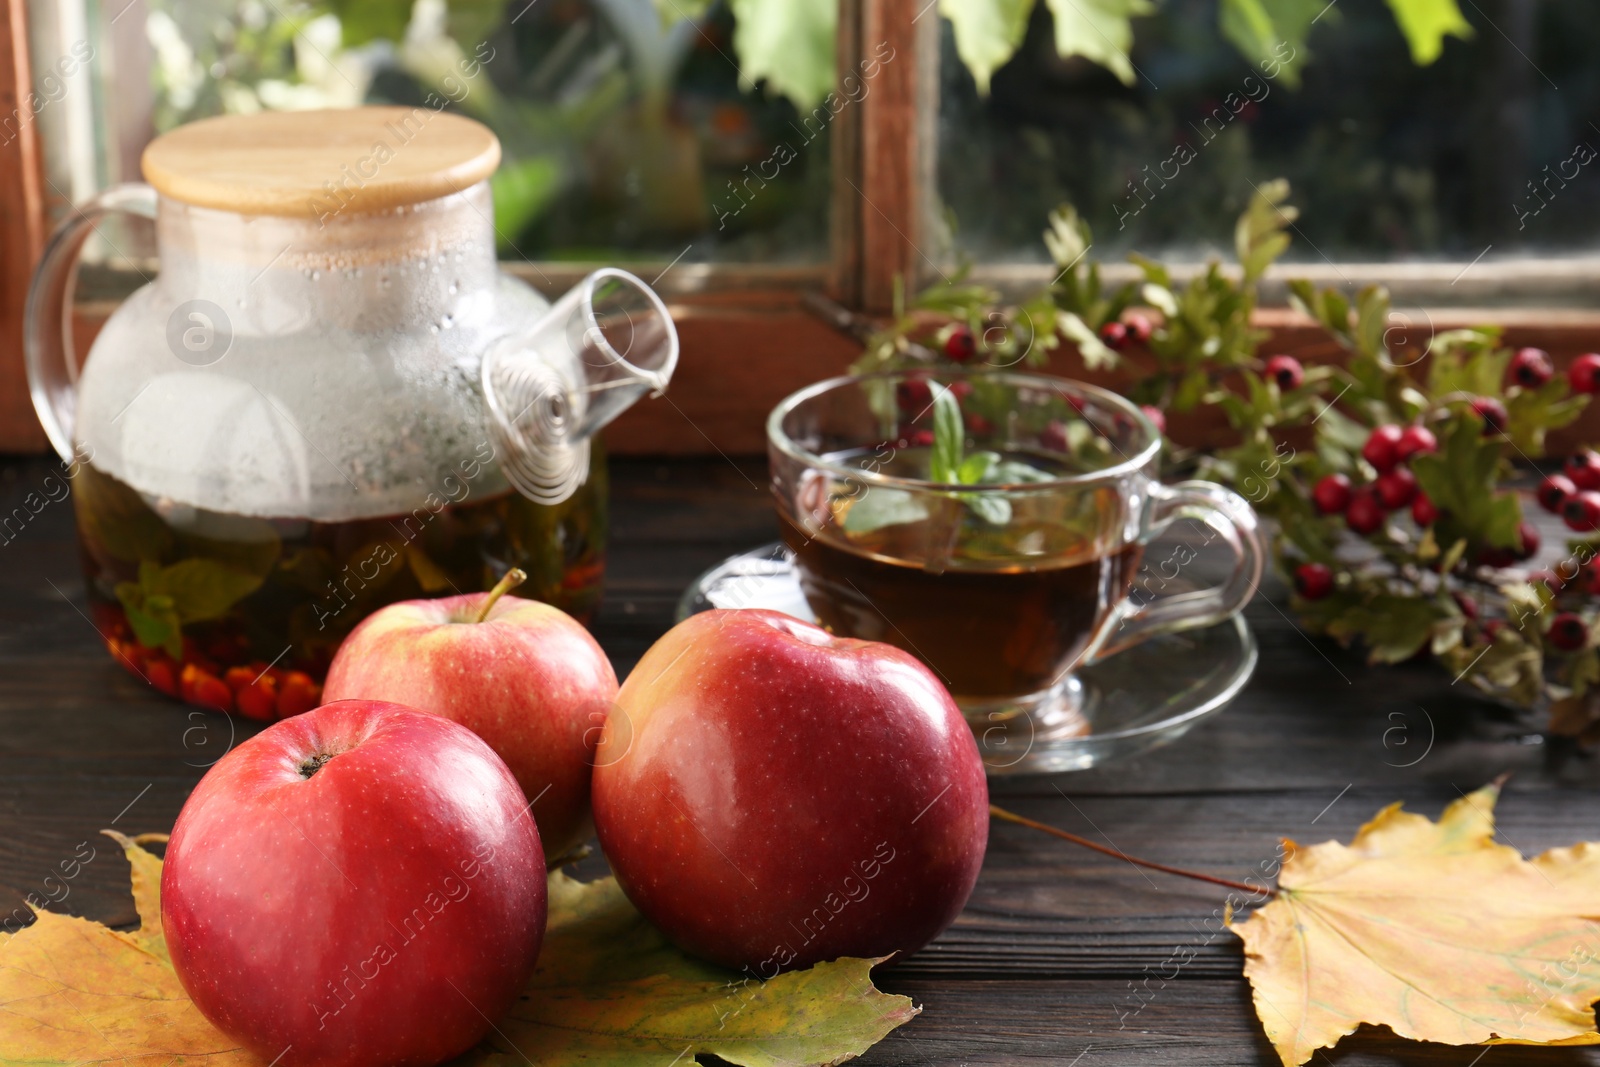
(1005, 567)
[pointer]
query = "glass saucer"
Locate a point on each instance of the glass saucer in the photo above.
(1146, 696)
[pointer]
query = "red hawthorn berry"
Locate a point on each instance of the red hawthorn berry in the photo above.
(960, 390)
(913, 395)
(1568, 631)
(239, 677)
(960, 345)
(1382, 449)
(1139, 327)
(1492, 412)
(1155, 415)
(1365, 513)
(979, 425)
(1396, 488)
(1496, 558)
(1584, 373)
(917, 439)
(297, 694)
(1286, 371)
(1553, 492)
(1581, 512)
(1114, 336)
(1527, 539)
(1416, 440)
(259, 700)
(1530, 368)
(1423, 513)
(1491, 630)
(1054, 437)
(1313, 580)
(159, 673)
(1468, 606)
(1331, 494)
(205, 689)
(1583, 467)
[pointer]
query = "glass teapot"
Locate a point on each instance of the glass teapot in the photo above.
(329, 400)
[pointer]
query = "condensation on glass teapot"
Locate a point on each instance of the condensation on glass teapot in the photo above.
(330, 353)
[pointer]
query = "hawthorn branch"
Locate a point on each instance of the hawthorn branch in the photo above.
(1022, 820)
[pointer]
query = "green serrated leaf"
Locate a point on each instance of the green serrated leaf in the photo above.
(362, 21)
(976, 467)
(1392, 628)
(879, 506)
(1271, 32)
(987, 33)
(788, 45)
(1098, 30)
(202, 589)
(990, 507)
(610, 989)
(949, 437)
(1426, 23)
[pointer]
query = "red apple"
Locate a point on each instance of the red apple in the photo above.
(524, 676)
(358, 886)
(770, 795)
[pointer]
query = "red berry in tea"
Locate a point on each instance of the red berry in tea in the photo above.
(1423, 513)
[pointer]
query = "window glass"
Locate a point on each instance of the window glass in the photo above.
(627, 133)
(1492, 144)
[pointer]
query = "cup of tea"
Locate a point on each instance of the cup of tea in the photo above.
(992, 524)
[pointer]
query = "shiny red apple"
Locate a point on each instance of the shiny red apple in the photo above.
(771, 796)
(522, 675)
(357, 886)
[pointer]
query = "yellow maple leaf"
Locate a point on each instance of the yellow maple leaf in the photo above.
(1431, 929)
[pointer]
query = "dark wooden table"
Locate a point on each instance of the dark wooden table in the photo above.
(1062, 956)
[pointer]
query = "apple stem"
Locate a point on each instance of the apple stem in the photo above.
(513, 578)
(1020, 820)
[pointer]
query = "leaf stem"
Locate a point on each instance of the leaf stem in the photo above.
(1021, 820)
(513, 578)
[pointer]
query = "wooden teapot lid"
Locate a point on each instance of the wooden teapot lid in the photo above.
(315, 163)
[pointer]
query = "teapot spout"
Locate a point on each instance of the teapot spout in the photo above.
(624, 340)
(605, 344)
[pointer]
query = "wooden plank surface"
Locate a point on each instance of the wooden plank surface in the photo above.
(1061, 953)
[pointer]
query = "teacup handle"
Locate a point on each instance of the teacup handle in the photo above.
(1234, 520)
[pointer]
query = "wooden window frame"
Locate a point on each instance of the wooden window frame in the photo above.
(747, 338)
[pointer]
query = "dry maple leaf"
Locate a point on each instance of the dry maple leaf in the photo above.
(609, 989)
(1432, 930)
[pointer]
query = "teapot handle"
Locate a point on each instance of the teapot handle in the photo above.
(47, 317)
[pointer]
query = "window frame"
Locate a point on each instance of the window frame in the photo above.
(747, 337)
